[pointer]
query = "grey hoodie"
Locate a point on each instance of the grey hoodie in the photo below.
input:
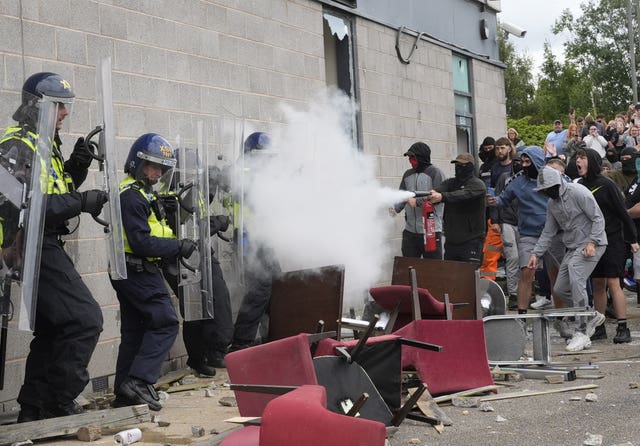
(575, 212)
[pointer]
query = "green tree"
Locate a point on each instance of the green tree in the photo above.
(599, 50)
(561, 86)
(518, 82)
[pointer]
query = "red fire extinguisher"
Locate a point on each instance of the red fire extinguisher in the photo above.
(429, 215)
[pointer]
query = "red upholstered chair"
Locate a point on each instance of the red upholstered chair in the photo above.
(398, 299)
(247, 436)
(285, 362)
(300, 417)
(461, 365)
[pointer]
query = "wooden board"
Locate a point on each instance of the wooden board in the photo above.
(458, 279)
(299, 299)
(55, 427)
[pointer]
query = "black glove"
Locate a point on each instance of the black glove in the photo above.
(81, 156)
(187, 247)
(93, 200)
(218, 223)
(170, 203)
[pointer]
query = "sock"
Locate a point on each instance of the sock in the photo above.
(622, 323)
(522, 311)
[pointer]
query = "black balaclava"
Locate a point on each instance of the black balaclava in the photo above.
(422, 153)
(629, 165)
(516, 163)
(463, 171)
(485, 155)
(594, 168)
(531, 170)
(612, 155)
(552, 192)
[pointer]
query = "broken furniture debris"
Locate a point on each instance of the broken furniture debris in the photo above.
(456, 279)
(300, 417)
(69, 425)
(321, 289)
(506, 336)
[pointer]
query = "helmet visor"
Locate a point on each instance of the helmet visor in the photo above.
(28, 111)
(158, 176)
(165, 163)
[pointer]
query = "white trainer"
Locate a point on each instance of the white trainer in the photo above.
(578, 342)
(596, 320)
(541, 303)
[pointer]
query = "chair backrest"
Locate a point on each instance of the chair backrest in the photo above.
(285, 362)
(301, 418)
(390, 296)
(440, 277)
(461, 365)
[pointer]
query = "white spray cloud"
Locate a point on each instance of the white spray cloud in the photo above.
(318, 202)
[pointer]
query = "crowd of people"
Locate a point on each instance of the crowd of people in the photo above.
(563, 218)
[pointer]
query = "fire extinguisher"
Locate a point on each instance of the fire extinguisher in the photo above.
(429, 215)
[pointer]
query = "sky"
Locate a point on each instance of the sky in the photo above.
(537, 17)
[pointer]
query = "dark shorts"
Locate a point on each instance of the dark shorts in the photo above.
(612, 262)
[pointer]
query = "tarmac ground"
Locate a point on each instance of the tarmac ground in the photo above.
(605, 415)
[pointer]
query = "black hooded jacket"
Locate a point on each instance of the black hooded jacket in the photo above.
(610, 201)
(423, 178)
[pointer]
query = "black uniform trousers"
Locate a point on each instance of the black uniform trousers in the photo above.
(207, 338)
(413, 246)
(67, 327)
(255, 304)
(149, 325)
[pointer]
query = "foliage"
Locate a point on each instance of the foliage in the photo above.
(561, 87)
(530, 133)
(518, 82)
(594, 77)
(599, 50)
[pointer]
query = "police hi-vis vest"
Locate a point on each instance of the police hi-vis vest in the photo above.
(159, 228)
(59, 182)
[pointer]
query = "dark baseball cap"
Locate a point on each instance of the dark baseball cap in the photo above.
(464, 158)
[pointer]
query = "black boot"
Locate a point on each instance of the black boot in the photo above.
(139, 392)
(62, 410)
(29, 413)
(202, 369)
(216, 359)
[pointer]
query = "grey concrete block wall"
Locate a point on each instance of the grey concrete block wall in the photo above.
(176, 62)
(402, 104)
(489, 100)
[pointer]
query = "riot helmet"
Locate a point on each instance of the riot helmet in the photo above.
(36, 87)
(257, 141)
(151, 149)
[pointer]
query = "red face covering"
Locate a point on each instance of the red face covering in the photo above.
(413, 161)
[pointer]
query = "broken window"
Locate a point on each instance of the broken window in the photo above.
(339, 58)
(463, 104)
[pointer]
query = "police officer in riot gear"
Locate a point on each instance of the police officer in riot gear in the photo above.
(206, 340)
(149, 321)
(261, 270)
(68, 320)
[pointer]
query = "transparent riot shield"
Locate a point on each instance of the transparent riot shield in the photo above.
(229, 170)
(109, 164)
(25, 162)
(196, 282)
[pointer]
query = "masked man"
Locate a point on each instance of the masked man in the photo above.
(464, 211)
(572, 209)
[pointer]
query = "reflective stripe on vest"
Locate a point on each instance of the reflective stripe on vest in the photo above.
(59, 182)
(158, 228)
